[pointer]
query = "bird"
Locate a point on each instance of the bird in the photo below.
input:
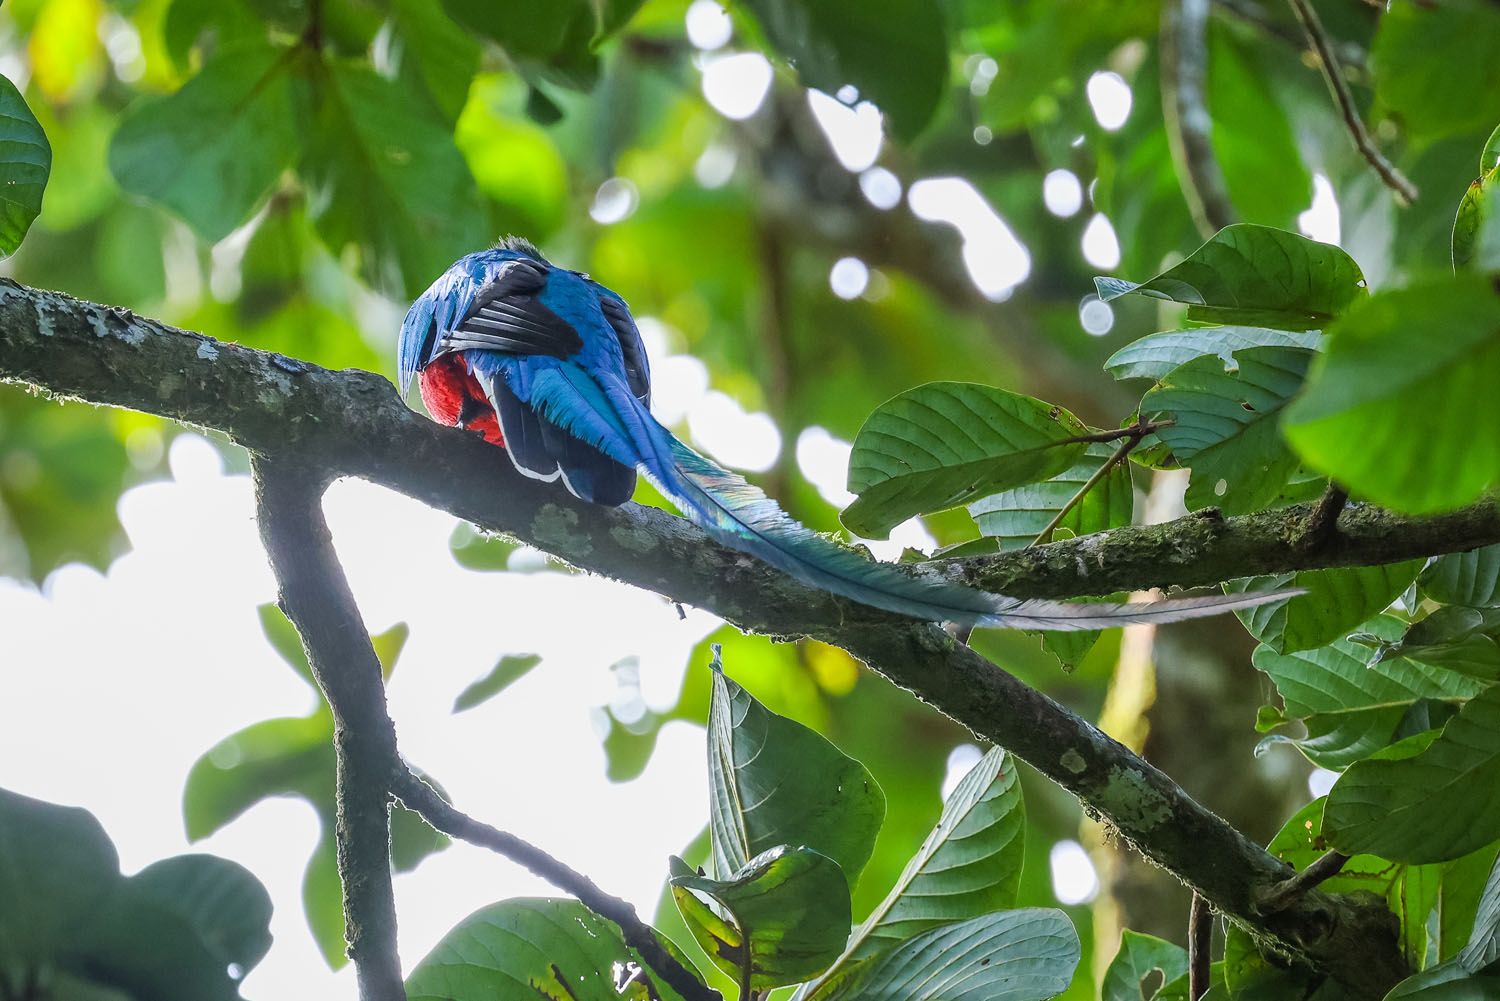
(549, 365)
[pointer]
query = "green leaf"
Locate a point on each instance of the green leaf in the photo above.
(59, 861)
(1352, 702)
(1471, 578)
(222, 900)
(213, 151)
(1410, 890)
(1226, 424)
(374, 143)
(1140, 957)
(1025, 955)
(1463, 37)
(443, 55)
(791, 905)
(1455, 638)
(948, 443)
(1463, 977)
(555, 950)
(24, 164)
(1153, 356)
(506, 672)
(772, 781)
(1390, 409)
(1476, 226)
(1458, 899)
(168, 933)
(1265, 176)
(1258, 276)
(969, 865)
(1424, 807)
(894, 51)
(1336, 601)
(1017, 516)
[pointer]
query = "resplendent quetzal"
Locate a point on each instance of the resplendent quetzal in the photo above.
(549, 365)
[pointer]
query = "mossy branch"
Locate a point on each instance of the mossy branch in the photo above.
(353, 424)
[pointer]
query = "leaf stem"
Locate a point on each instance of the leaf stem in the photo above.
(1126, 446)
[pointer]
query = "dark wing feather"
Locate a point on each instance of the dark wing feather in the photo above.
(507, 316)
(522, 429)
(637, 367)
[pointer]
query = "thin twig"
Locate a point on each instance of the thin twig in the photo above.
(1323, 520)
(1200, 942)
(1126, 446)
(1184, 99)
(1318, 38)
(1286, 893)
(418, 796)
(1138, 430)
(315, 595)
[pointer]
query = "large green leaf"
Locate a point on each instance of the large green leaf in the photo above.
(1425, 806)
(1225, 424)
(223, 902)
(1335, 602)
(948, 443)
(1351, 702)
(894, 51)
(375, 143)
(1153, 356)
(1392, 409)
(212, 151)
(1461, 36)
(1255, 275)
(772, 781)
(969, 865)
(1464, 977)
(1471, 578)
(25, 160)
(442, 55)
(554, 950)
(1140, 957)
(1025, 955)
(1016, 517)
(788, 914)
(170, 933)
(1464, 881)
(1251, 976)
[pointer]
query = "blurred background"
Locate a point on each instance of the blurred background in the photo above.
(794, 257)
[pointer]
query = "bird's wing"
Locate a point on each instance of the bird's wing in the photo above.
(507, 315)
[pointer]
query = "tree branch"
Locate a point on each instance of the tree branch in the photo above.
(315, 596)
(1184, 101)
(1318, 39)
(1200, 943)
(353, 424)
(417, 795)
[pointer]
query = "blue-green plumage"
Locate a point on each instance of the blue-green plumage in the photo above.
(560, 362)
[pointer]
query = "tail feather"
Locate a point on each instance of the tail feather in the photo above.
(604, 413)
(738, 514)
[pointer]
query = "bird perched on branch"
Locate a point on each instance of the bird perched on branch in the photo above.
(549, 365)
